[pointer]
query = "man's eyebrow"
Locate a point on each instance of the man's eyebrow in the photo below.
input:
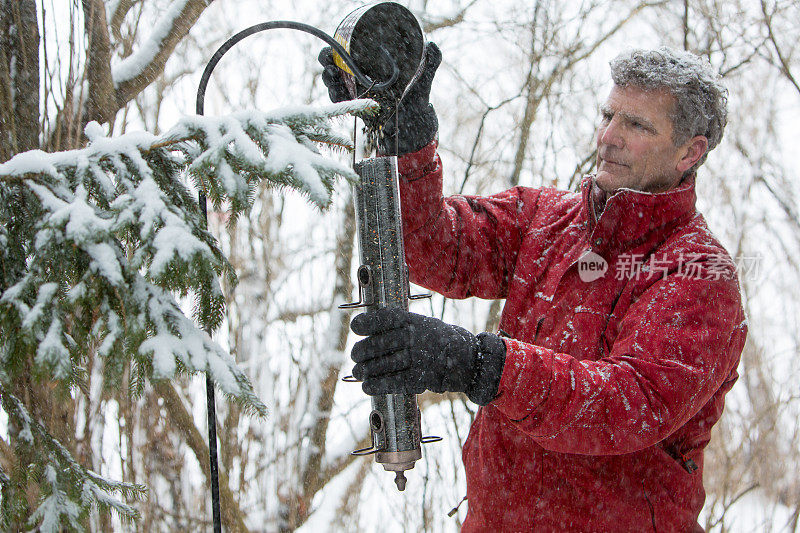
(606, 111)
(641, 120)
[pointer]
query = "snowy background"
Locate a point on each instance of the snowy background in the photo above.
(517, 98)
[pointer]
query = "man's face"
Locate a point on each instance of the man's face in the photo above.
(634, 142)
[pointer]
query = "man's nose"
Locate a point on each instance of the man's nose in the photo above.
(611, 134)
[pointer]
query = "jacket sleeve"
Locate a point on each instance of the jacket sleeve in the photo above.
(459, 246)
(678, 344)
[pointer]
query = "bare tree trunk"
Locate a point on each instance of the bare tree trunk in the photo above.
(532, 100)
(19, 77)
(685, 24)
(101, 99)
(19, 131)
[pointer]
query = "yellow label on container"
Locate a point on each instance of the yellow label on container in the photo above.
(337, 59)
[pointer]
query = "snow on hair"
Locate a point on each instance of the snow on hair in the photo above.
(701, 101)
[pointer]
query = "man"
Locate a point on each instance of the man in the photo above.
(622, 326)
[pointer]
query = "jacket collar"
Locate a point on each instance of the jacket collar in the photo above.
(630, 218)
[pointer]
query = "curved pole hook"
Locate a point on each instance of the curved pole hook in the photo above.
(362, 78)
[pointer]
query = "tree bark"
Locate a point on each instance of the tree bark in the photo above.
(101, 95)
(19, 77)
(19, 131)
(128, 89)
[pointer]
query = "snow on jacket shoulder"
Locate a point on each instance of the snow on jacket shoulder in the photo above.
(624, 336)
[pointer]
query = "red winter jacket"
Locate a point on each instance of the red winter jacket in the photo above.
(610, 386)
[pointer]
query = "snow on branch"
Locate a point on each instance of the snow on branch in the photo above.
(233, 146)
(135, 72)
(118, 234)
(135, 64)
(98, 244)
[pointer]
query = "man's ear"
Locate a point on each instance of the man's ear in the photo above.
(692, 151)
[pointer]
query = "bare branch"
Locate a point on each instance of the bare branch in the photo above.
(779, 196)
(429, 26)
(232, 515)
(313, 477)
(151, 63)
(784, 63)
(118, 17)
(539, 87)
(471, 161)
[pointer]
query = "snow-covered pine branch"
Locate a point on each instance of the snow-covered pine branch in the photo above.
(96, 244)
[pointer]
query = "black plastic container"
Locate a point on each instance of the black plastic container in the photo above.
(368, 29)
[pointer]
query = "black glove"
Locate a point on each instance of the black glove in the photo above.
(409, 353)
(332, 76)
(415, 121)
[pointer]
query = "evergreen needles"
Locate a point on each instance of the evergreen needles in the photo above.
(96, 247)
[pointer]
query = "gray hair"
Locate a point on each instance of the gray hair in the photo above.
(701, 101)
